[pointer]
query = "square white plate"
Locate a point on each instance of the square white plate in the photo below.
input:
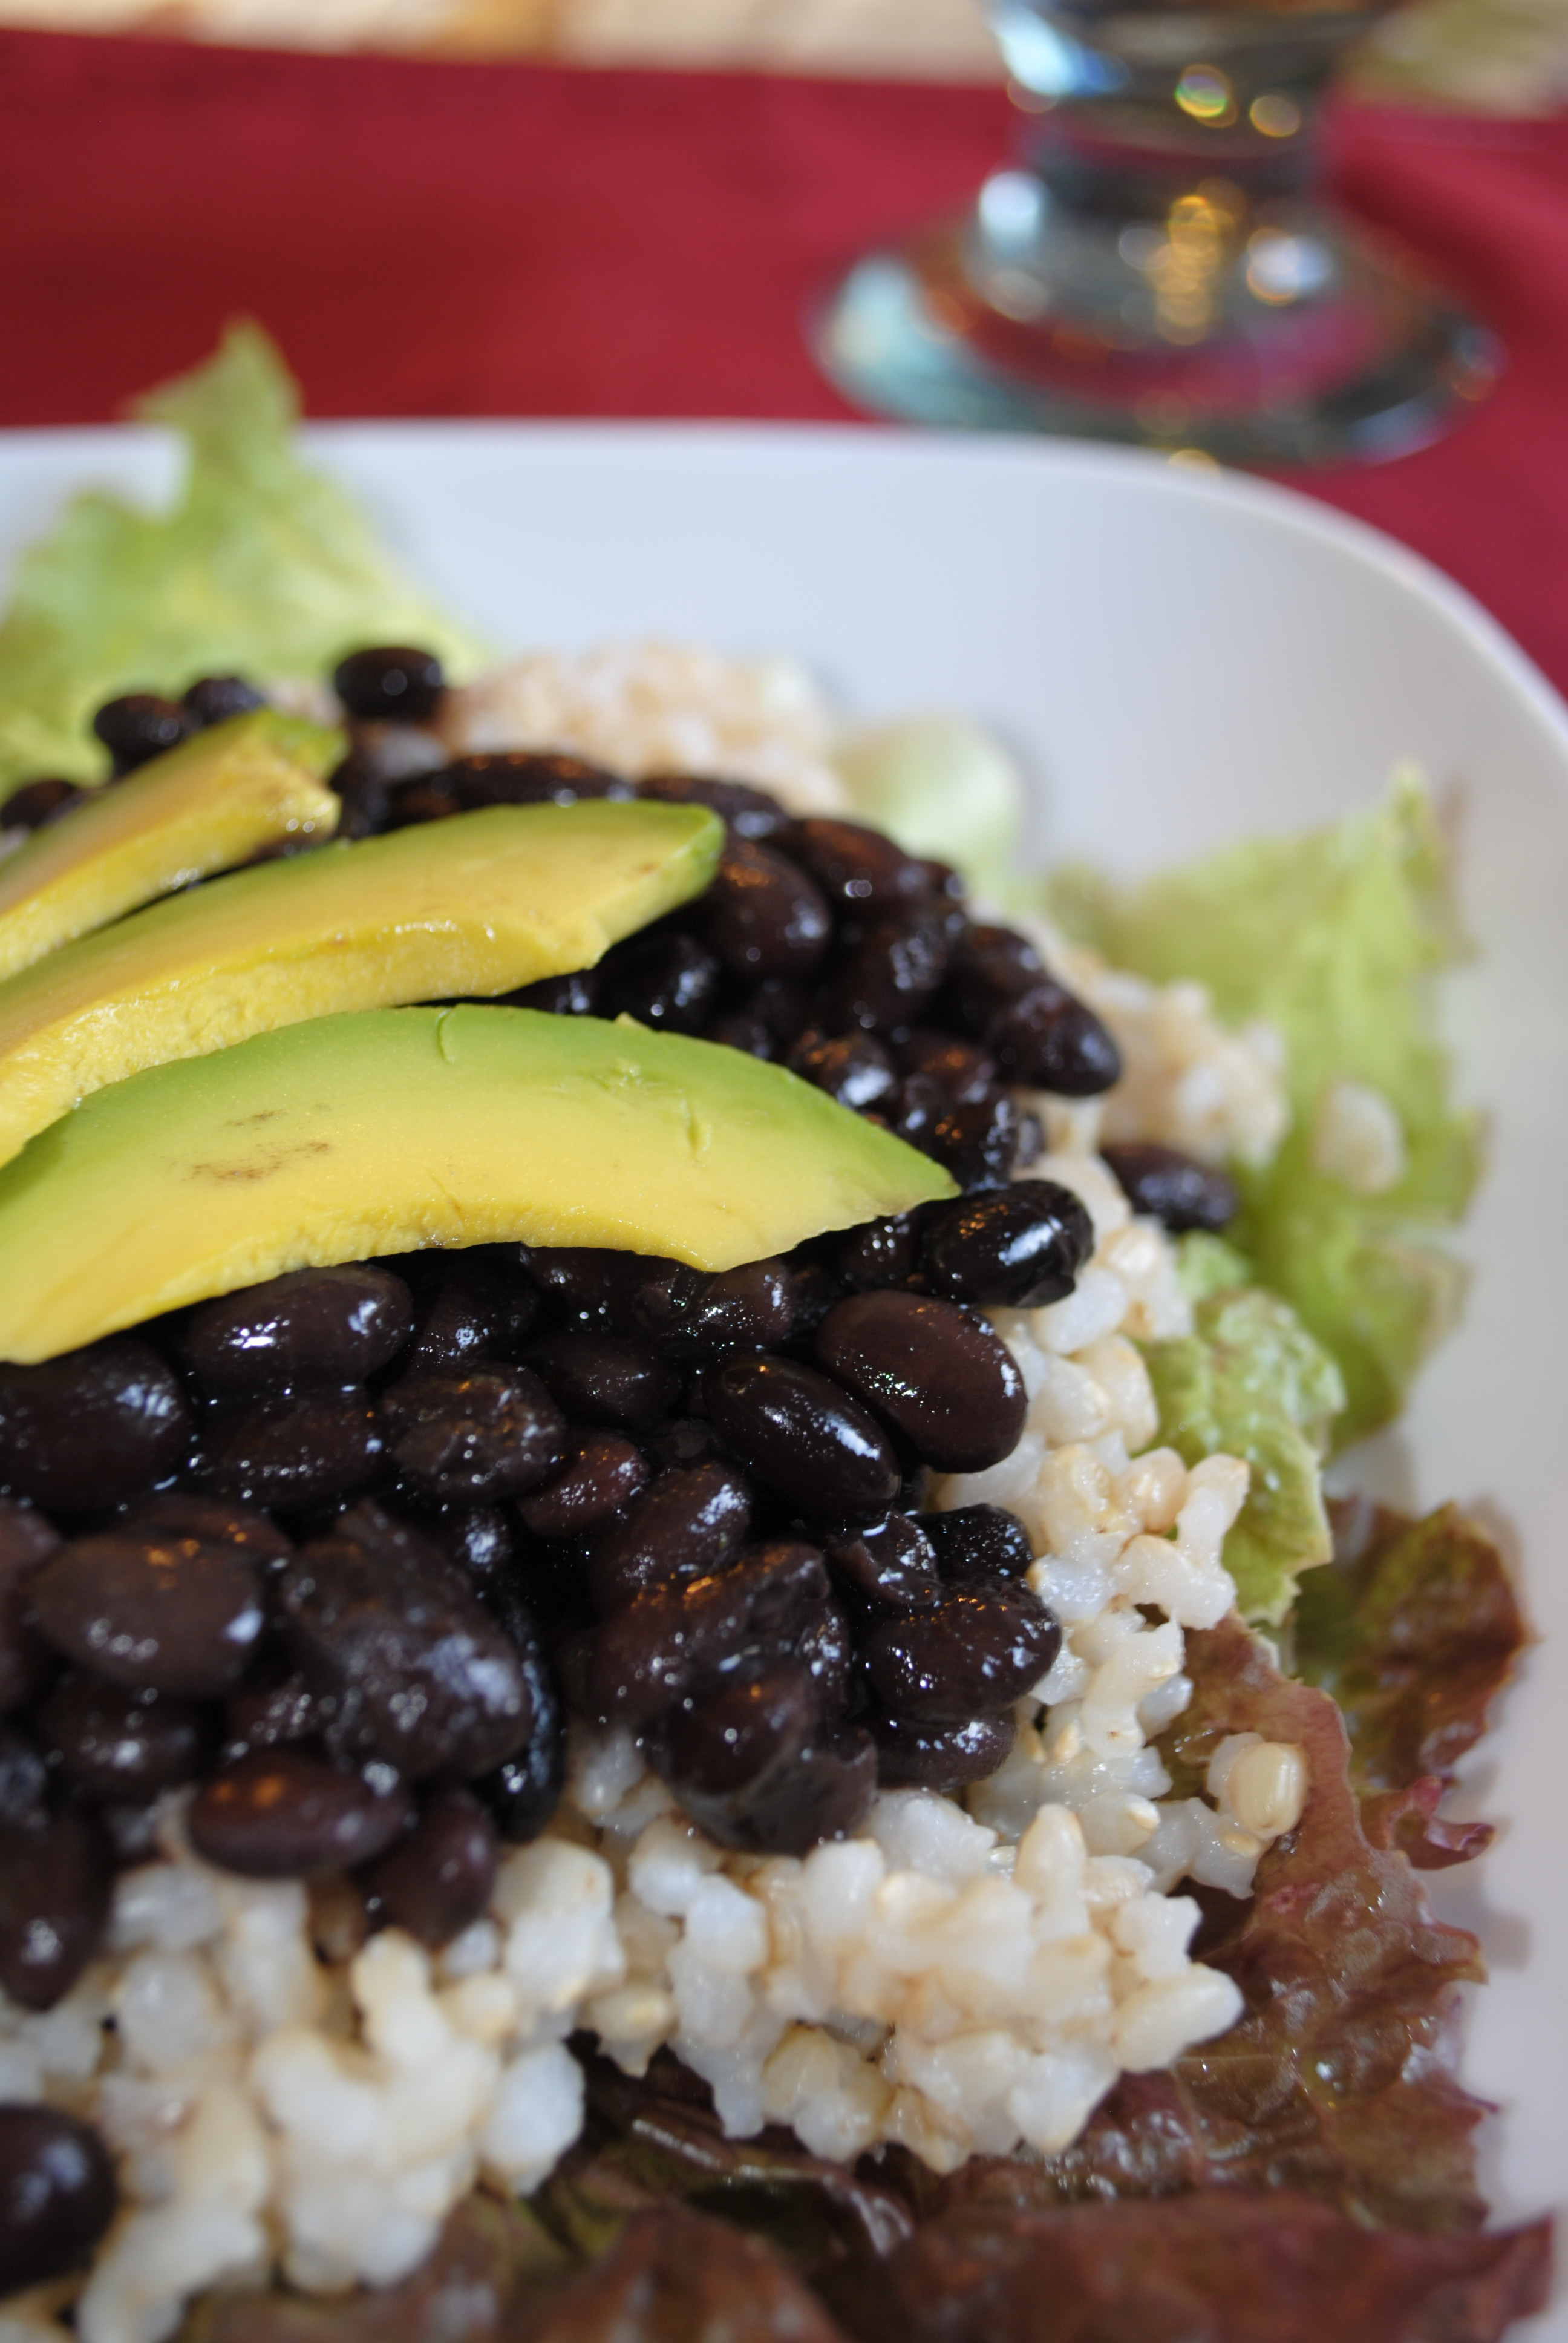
(1177, 659)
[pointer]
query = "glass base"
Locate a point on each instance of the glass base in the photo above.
(1364, 365)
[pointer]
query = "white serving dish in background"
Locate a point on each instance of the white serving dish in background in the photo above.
(1177, 659)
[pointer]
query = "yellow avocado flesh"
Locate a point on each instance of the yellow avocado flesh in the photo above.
(206, 805)
(402, 1127)
(478, 904)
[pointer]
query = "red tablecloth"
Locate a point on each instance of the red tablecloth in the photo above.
(459, 239)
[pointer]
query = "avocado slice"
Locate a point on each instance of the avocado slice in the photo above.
(481, 903)
(212, 802)
(396, 1128)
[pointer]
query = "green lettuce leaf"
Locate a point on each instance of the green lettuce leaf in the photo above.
(1251, 1380)
(262, 566)
(1333, 937)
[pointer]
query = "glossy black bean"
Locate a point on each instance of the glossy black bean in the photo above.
(1173, 1188)
(415, 1668)
(213, 699)
(139, 725)
(825, 1648)
(940, 1757)
(279, 1708)
(602, 1474)
(683, 1439)
(1050, 1040)
(943, 1381)
(891, 1562)
(803, 1435)
(473, 1304)
(303, 1449)
(671, 1638)
(280, 1813)
(523, 1792)
(693, 1518)
(438, 1880)
(745, 811)
(391, 681)
(480, 1539)
(741, 1031)
(175, 1614)
(114, 1744)
(695, 1317)
(783, 1008)
(56, 2194)
(813, 1288)
(979, 1141)
(482, 1435)
(37, 802)
(978, 1541)
(54, 1884)
(721, 1743)
(667, 981)
(182, 1514)
(817, 1784)
(607, 1378)
(984, 1646)
(857, 867)
(529, 777)
(877, 1254)
(310, 1329)
(558, 996)
(963, 1072)
(365, 795)
(1023, 1245)
(763, 916)
(93, 1427)
(24, 1779)
(26, 1539)
(991, 966)
(424, 799)
(595, 1288)
(856, 1069)
(919, 1106)
(891, 976)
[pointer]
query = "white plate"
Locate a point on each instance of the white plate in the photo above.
(1177, 659)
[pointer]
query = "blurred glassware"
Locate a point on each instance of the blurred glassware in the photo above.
(1158, 263)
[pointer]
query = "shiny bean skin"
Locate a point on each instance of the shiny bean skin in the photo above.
(683, 1439)
(174, 1614)
(720, 1744)
(891, 1562)
(26, 1539)
(57, 2194)
(435, 1881)
(804, 1435)
(117, 1745)
(979, 1141)
(741, 1031)
(891, 975)
(213, 699)
(817, 1789)
(54, 1884)
(1022, 1246)
(390, 682)
(1174, 1188)
(963, 1072)
(482, 1435)
(364, 795)
(480, 1539)
(181, 1513)
(602, 1474)
(918, 1107)
(473, 1304)
(940, 1757)
(978, 1541)
(139, 725)
(37, 802)
(693, 1518)
(667, 981)
(529, 777)
(983, 1647)
(596, 1288)
(763, 916)
(691, 1316)
(525, 1789)
(278, 1813)
(879, 1254)
(607, 1379)
(990, 967)
(858, 867)
(856, 1069)
(278, 1710)
(414, 1669)
(1050, 1040)
(813, 1290)
(745, 811)
(24, 1779)
(655, 1649)
(825, 1648)
(575, 995)
(943, 1381)
(300, 1450)
(310, 1329)
(93, 1427)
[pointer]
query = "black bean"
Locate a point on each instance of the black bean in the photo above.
(438, 1880)
(804, 1436)
(920, 1105)
(856, 1069)
(825, 1648)
(473, 1304)
(489, 1433)
(213, 699)
(365, 795)
(763, 916)
(529, 777)
(278, 1813)
(940, 1757)
(813, 1291)
(990, 967)
(417, 1671)
(54, 1884)
(978, 1541)
(37, 802)
(305, 1449)
(720, 1744)
(944, 1382)
(175, 1614)
(140, 724)
(24, 1780)
(891, 1562)
(1021, 1245)
(694, 1518)
(667, 980)
(877, 1254)
(745, 813)
(1050, 1040)
(424, 799)
(980, 1140)
(1173, 1188)
(92, 1427)
(479, 1538)
(26, 1539)
(601, 1475)
(390, 680)
(181, 1513)
(117, 1745)
(741, 1030)
(524, 1790)
(309, 1329)
(282, 1709)
(783, 1008)
(817, 1782)
(890, 975)
(607, 1378)
(855, 866)
(668, 1639)
(962, 1072)
(984, 1646)
(558, 996)
(594, 1287)
(693, 1316)
(56, 2194)
(683, 1439)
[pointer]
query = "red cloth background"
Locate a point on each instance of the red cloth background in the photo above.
(428, 238)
